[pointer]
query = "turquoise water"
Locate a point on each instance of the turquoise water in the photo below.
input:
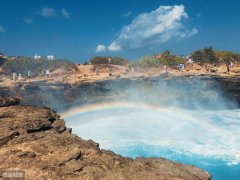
(218, 168)
(209, 139)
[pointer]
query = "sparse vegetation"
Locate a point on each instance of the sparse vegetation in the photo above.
(104, 60)
(36, 67)
(227, 56)
(205, 55)
(209, 56)
(165, 58)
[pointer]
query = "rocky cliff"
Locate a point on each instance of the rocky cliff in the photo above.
(35, 140)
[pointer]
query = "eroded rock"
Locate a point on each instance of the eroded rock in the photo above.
(8, 101)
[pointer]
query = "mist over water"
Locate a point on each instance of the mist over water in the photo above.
(182, 131)
(189, 120)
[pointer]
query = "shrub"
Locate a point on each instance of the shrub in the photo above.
(208, 55)
(104, 60)
(36, 67)
(166, 58)
(145, 63)
(227, 56)
(205, 55)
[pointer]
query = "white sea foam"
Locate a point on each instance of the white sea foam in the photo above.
(214, 134)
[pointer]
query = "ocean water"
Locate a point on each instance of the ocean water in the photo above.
(209, 139)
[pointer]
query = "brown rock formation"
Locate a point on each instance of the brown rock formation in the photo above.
(4, 102)
(35, 140)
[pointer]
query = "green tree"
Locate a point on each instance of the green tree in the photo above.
(205, 55)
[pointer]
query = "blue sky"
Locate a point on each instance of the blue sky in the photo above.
(78, 30)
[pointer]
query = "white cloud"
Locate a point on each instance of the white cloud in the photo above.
(127, 14)
(114, 47)
(101, 48)
(65, 14)
(191, 33)
(153, 28)
(48, 12)
(2, 29)
(28, 20)
(198, 15)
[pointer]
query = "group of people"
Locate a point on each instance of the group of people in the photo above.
(228, 65)
(15, 77)
(128, 70)
(19, 76)
(96, 72)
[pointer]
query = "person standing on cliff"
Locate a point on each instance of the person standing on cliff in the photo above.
(14, 76)
(19, 76)
(206, 67)
(48, 73)
(132, 69)
(28, 75)
(227, 65)
(165, 69)
(96, 72)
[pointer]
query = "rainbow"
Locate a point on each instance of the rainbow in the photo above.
(137, 106)
(108, 106)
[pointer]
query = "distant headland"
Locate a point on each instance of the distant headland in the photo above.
(206, 61)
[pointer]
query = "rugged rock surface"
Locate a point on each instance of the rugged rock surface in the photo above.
(4, 102)
(34, 139)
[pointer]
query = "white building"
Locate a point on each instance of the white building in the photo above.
(50, 57)
(36, 56)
